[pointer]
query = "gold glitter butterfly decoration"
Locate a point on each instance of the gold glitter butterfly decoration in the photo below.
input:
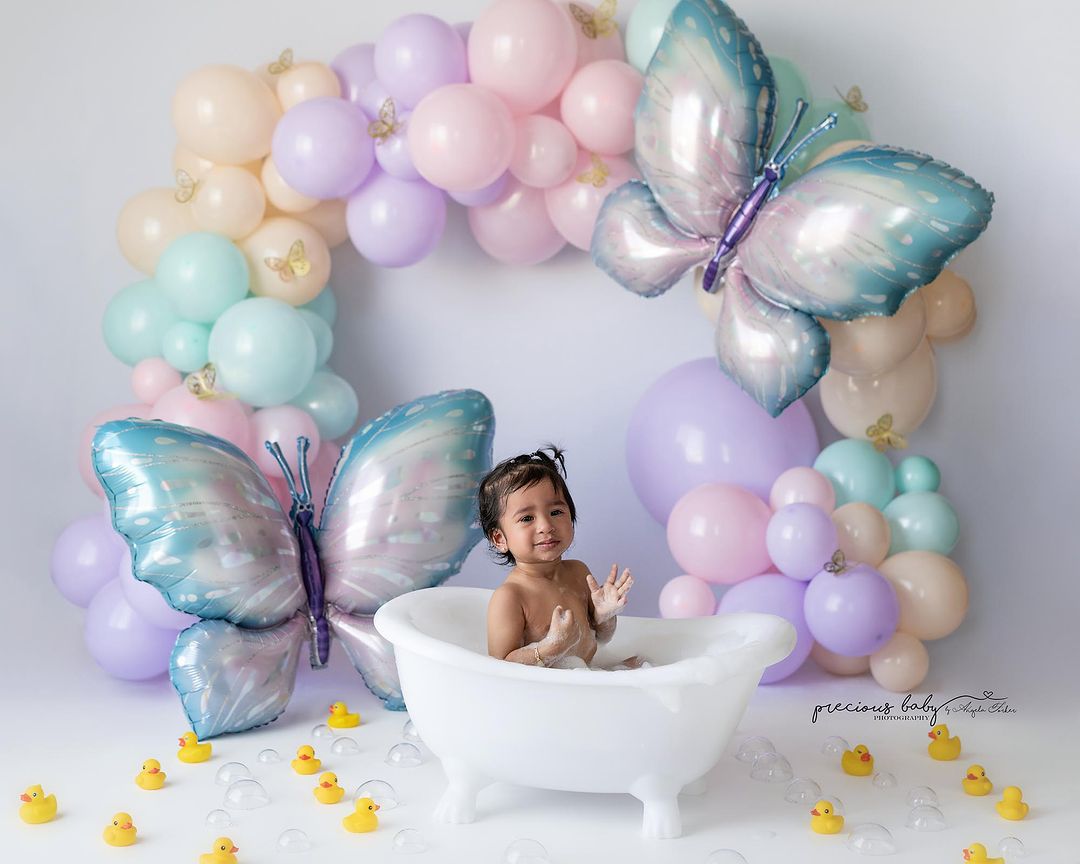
(387, 123)
(283, 63)
(201, 384)
(597, 175)
(883, 435)
(296, 264)
(186, 186)
(838, 564)
(853, 99)
(598, 23)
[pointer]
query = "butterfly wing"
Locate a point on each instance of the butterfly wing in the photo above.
(370, 653)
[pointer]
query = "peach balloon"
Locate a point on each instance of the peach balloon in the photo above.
(282, 424)
(225, 114)
(932, 591)
(875, 344)
(328, 218)
(906, 392)
(148, 223)
(278, 266)
(838, 664)
(305, 81)
(83, 456)
(280, 194)
(598, 106)
(516, 228)
(196, 166)
(597, 39)
(836, 148)
(863, 532)
(710, 303)
(229, 200)
(950, 307)
(902, 664)
(151, 377)
(574, 204)
(802, 485)
(545, 152)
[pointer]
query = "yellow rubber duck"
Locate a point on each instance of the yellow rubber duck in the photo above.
(151, 776)
(364, 819)
(340, 718)
(192, 750)
(328, 791)
(976, 782)
(824, 819)
(121, 831)
(858, 762)
(305, 761)
(941, 746)
(976, 854)
(224, 853)
(38, 808)
(1012, 806)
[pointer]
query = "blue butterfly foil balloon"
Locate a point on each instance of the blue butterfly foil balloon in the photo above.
(852, 237)
(206, 530)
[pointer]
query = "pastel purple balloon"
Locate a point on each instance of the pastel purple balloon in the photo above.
(485, 195)
(417, 54)
(774, 594)
(392, 152)
(395, 223)
(122, 642)
(801, 538)
(84, 558)
(322, 148)
(695, 425)
(147, 600)
(853, 613)
(355, 69)
(372, 97)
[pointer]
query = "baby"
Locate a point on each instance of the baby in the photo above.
(548, 612)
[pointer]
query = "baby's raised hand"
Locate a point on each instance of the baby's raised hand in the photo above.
(609, 599)
(562, 635)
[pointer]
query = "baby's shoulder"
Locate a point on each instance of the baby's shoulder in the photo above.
(507, 597)
(576, 571)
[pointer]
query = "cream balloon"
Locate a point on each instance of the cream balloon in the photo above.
(877, 343)
(225, 114)
(305, 81)
(838, 664)
(710, 304)
(228, 200)
(279, 193)
(863, 532)
(836, 148)
(902, 664)
(950, 307)
(932, 591)
(328, 218)
(196, 166)
(279, 267)
(148, 223)
(853, 404)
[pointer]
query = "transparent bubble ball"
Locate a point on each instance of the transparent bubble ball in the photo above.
(269, 756)
(834, 745)
(230, 772)
(921, 795)
(802, 790)
(869, 838)
(293, 840)
(884, 780)
(218, 819)
(409, 733)
(409, 840)
(837, 804)
(724, 856)
(926, 817)
(404, 756)
(525, 851)
(379, 791)
(246, 795)
(751, 748)
(322, 731)
(344, 747)
(763, 834)
(771, 768)
(1012, 846)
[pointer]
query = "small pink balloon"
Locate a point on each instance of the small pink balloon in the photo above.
(574, 204)
(145, 599)
(598, 106)
(281, 492)
(150, 378)
(687, 597)
(224, 418)
(516, 229)
(600, 41)
(803, 485)
(901, 664)
(544, 151)
(283, 424)
(86, 467)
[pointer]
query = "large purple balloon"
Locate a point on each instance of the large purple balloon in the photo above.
(853, 613)
(355, 69)
(777, 595)
(145, 599)
(84, 558)
(417, 54)
(801, 538)
(122, 642)
(395, 223)
(322, 148)
(695, 425)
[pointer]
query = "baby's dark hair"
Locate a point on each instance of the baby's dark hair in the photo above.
(520, 472)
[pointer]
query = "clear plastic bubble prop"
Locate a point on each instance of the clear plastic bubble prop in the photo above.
(925, 817)
(322, 731)
(293, 840)
(753, 747)
(230, 772)
(409, 733)
(218, 819)
(1012, 847)
(525, 851)
(404, 756)
(802, 790)
(269, 756)
(344, 747)
(379, 791)
(771, 768)
(763, 834)
(246, 795)
(724, 856)
(869, 838)
(922, 795)
(409, 841)
(884, 780)
(834, 745)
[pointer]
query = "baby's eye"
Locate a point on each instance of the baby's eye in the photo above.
(526, 519)
(556, 512)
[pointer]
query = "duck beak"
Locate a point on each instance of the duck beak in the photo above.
(126, 825)
(814, 812)
(182, 742)
(154, 770)
(376, 806)
(967, 854)
(25, 797)
(325, 785)
(865, 757)
(234, 849)
(971, 777)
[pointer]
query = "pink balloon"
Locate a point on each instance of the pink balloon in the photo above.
(524, 51)
(222, 417)
(283, 424)
(598, 106)
(686, 597)
(461, 137)
(803, 485)
(544, 151)
(151, 378)
(598, 45)
(145, 599)
(574, 204)
(717, 533)
(86, 467)
(516, 229)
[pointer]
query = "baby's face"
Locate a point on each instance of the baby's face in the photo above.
(535, 525)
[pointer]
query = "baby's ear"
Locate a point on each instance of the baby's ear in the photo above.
(497, 540)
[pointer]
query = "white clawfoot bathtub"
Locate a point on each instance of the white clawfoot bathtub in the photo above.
(650, 732)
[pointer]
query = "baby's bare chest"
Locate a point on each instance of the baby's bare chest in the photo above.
(541, 603)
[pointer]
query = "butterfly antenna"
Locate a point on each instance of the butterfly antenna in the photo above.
(279, 457)
(302, 445)
(801, 106)
(824, 126)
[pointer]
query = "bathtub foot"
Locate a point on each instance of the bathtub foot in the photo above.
(660, 814)
(458, 803)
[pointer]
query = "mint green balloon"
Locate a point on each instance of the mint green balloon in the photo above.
(136, 320)
(324, 305)
(858, 472)
(850, 125)
(203, 274)
(324, 336)
(331, 401)
(185, 345)
(644, 29)
(922, 520)
(917, 474)
(790, 87)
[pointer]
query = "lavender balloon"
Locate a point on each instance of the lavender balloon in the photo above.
(122, 642)
(395, 223)
(148, 602)
(322, 147)
(853, 612)
(417, 54)
(84, 558)
(776, 595)
(355, 69)
(392, 150)
(800, 539)
(485, 195)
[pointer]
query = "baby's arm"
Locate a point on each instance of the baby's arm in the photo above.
(607, 601)
(506, 632)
